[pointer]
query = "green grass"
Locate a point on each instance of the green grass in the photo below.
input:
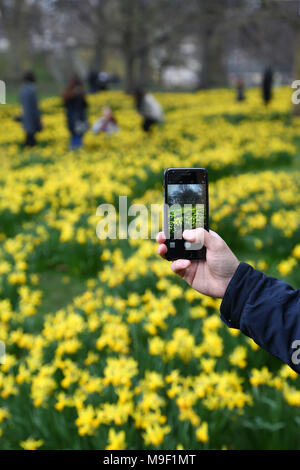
(57, 291)
(45, 90)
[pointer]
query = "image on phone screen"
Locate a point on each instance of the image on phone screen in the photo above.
(186, 208)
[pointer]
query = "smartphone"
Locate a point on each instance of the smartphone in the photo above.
(186, 207)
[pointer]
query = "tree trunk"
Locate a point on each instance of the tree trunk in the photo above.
(213, 70)
(128, 10)
(79, 66)
(16, 21)
(97, 62)
(52, 64)
(19, 59)
(144, 71)
(129, 73)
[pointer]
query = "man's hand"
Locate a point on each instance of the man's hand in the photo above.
(210, 277)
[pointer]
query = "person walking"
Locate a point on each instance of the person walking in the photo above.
(31, 118)
(76, 110)
(267, 85)
(93, 81)
(149, 108)
(240, 89)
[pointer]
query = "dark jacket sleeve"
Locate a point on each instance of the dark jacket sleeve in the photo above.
(265, 309)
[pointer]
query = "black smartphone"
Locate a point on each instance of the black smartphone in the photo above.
(186, 207)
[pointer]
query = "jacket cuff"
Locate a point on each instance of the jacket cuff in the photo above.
(236, 294)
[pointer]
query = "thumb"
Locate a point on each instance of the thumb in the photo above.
(199, 235)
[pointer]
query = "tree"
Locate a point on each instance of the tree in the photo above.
(134, 29)
(288, 13)
(19, 20)
(209, 18)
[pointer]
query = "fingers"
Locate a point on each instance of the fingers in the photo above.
(180, 265)
(195, 238)
(162, 250)
(198, 237)
(161, 238)
(201, 236)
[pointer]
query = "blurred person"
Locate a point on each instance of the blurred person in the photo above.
(262, 307)
(31, 118)
(267, 85)
(76, 109)
(93, 81)
(103, 80)
(240, 89)
(149, 108)
(106, 123)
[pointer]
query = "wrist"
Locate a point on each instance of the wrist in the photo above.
(235, 295)
(227, 279)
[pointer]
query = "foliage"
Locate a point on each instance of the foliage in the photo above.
(139, 360)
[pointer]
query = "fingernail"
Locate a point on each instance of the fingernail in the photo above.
(185, 263)
(189, 235)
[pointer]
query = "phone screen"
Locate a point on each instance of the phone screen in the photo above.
(186, 197)
(187, 206)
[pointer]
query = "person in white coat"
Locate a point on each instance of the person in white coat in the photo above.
(149, 108)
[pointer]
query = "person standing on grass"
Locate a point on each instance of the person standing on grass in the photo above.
(93, 81)
(76, 109)
(262, 307)
(31, 118)
(267, 85)
(149, 108)
(240, 89)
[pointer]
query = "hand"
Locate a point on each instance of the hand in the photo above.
(210, 277)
